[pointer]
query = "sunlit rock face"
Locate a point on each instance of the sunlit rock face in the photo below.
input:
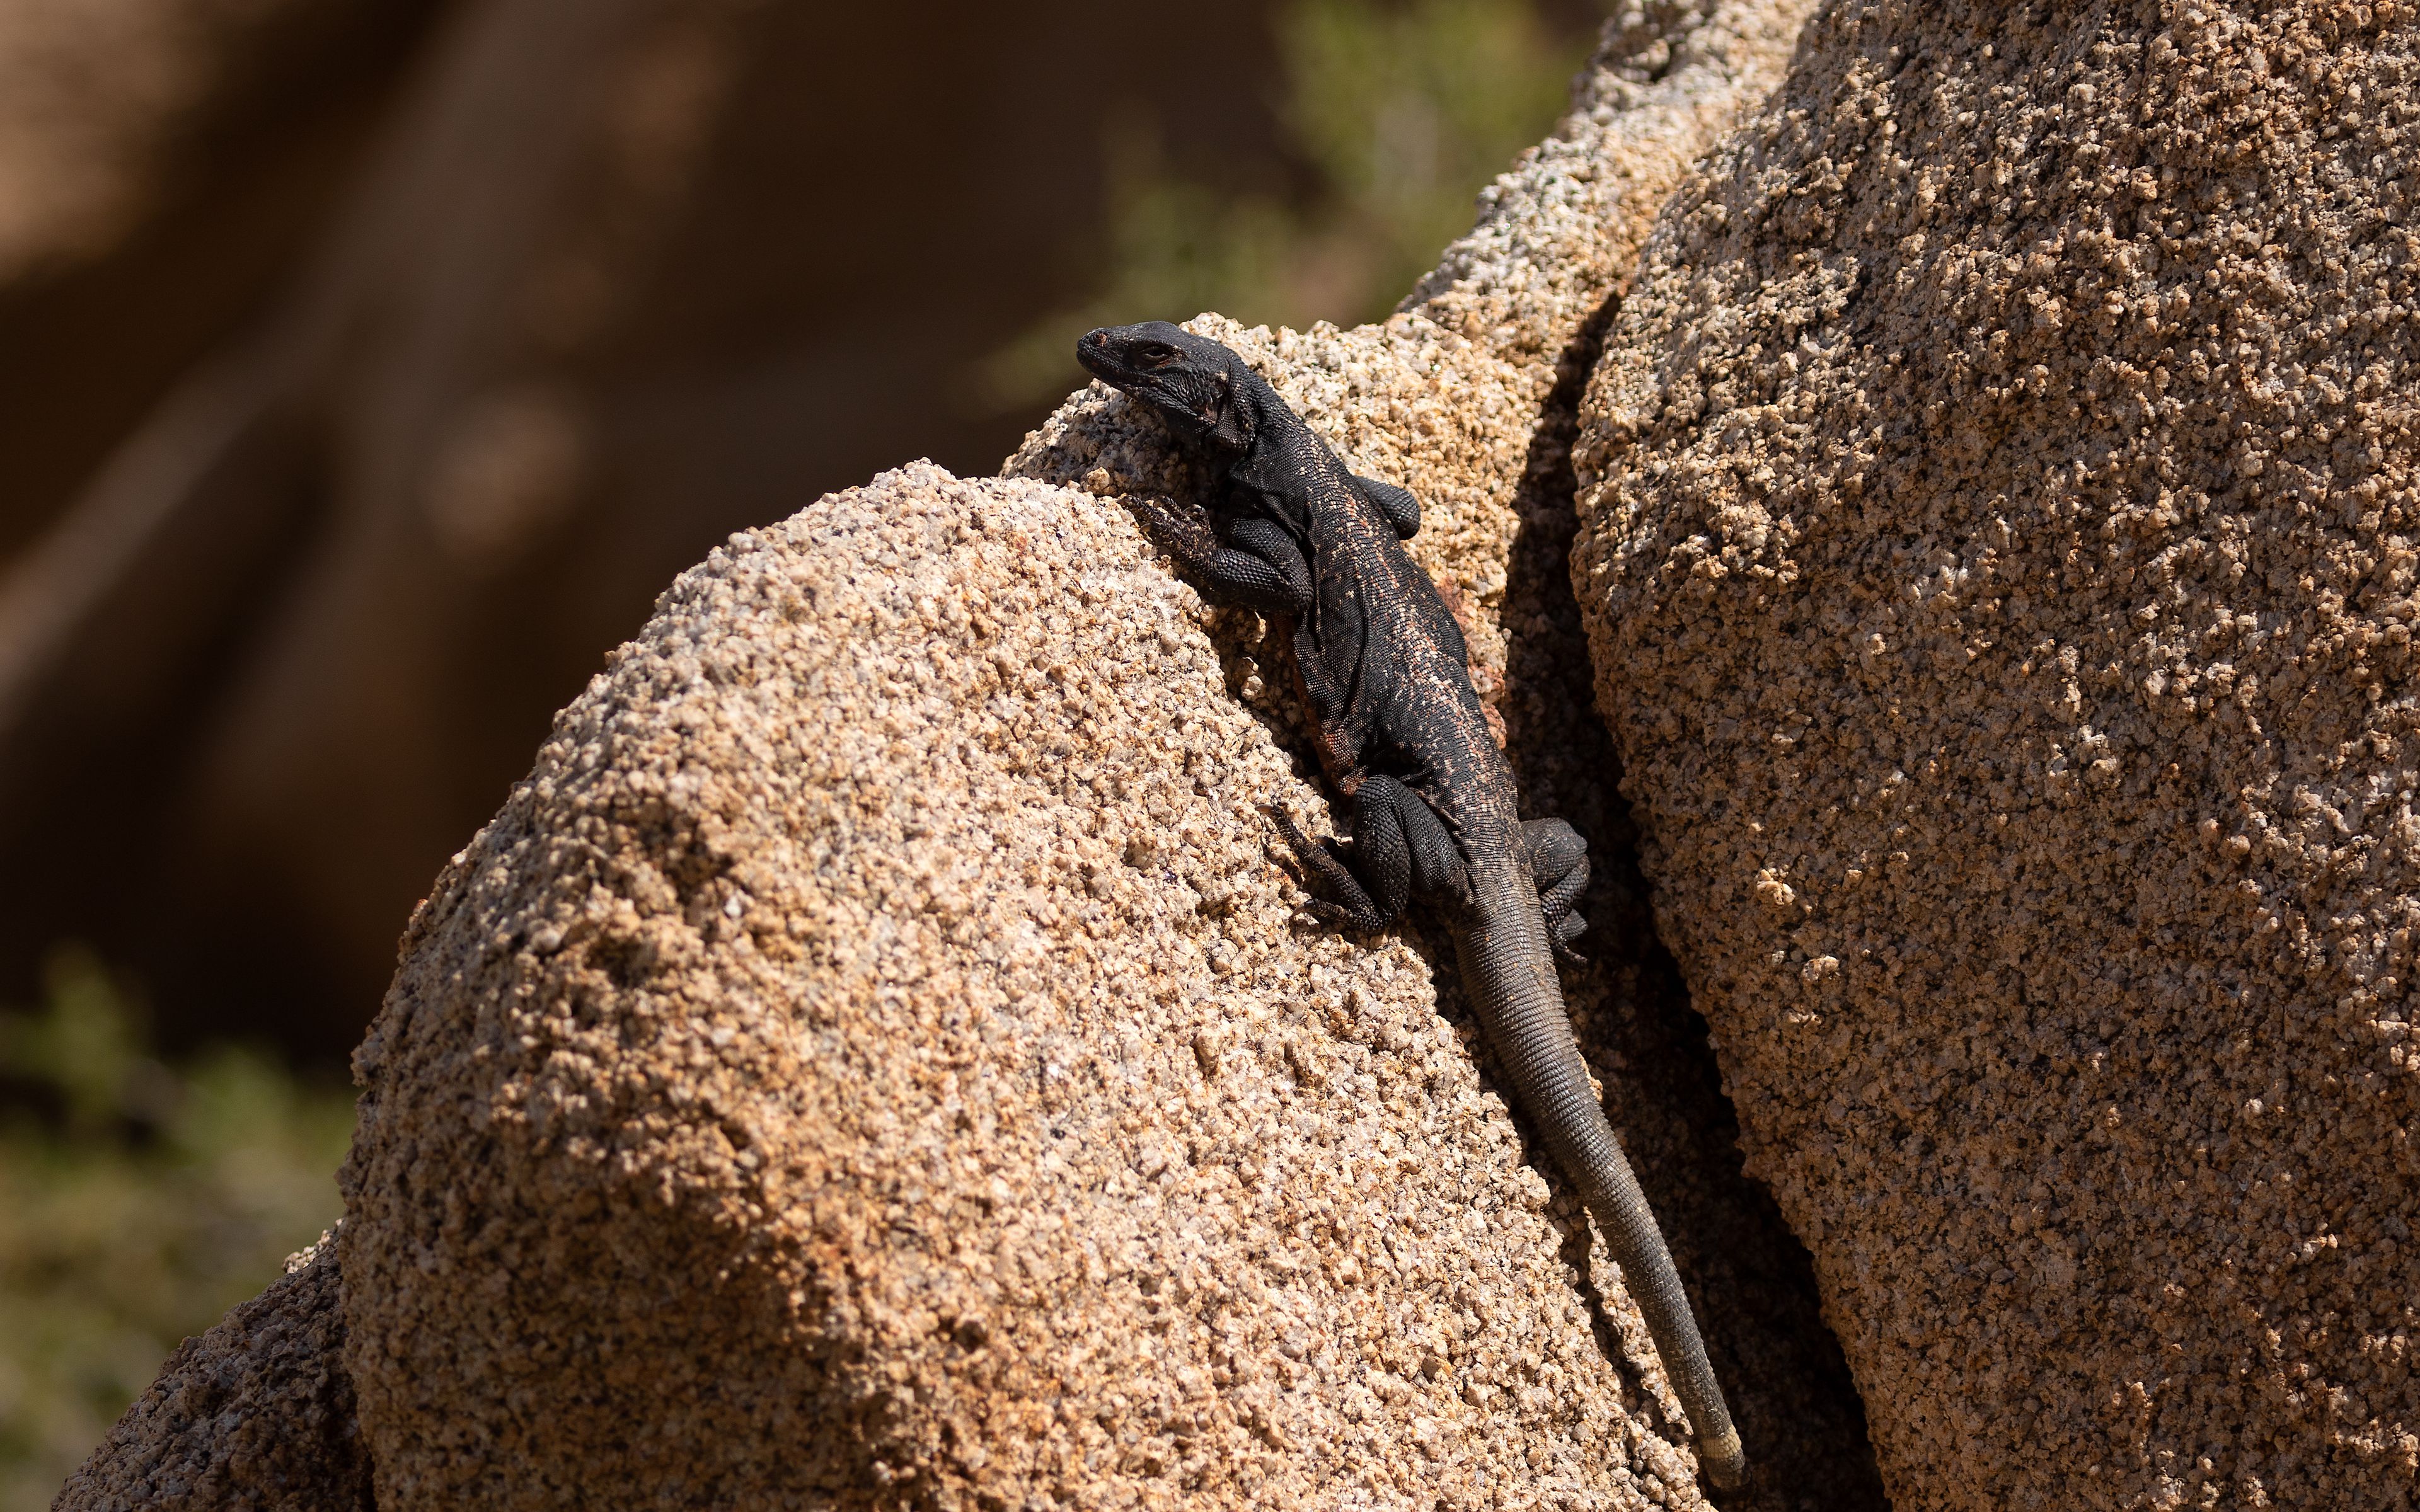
(877, 1029)
(1998, 543)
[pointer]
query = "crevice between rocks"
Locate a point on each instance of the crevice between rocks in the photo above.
(1751, 1280)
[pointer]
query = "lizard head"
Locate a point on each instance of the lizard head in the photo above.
(1203, 390)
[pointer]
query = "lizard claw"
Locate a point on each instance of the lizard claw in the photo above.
(1306, 853)
(1328, 913)
(1301, 845)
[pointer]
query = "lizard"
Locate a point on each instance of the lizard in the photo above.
(1434, 818)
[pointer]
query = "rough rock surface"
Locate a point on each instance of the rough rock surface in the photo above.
(1467, 396)
(256, 1413)
(1999, 557)
(876, 1028)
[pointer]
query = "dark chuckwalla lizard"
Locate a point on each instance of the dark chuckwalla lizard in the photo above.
(1295, 535)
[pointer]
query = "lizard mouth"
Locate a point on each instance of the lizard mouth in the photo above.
(1097, 355)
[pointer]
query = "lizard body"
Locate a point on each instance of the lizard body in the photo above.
(1295, 535)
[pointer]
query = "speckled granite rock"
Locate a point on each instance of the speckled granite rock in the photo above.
(873, 1059)
(1467, 396)
(256, 1413)
(2000, 565)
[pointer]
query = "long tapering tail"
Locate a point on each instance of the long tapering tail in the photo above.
(1508, 967)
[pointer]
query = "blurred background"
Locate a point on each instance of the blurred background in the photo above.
(365, 371)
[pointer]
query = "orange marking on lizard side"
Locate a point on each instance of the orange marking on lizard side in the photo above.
(1339, 765)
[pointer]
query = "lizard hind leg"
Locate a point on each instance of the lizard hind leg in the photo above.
(1559, 860)
(1438, 875)
(1399, 848)
(1370, 891)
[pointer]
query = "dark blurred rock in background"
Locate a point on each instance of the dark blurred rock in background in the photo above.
(365, 371)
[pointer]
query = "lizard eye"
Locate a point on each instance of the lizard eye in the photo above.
(1155, 354)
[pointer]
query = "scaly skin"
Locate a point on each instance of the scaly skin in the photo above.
(1435, 818)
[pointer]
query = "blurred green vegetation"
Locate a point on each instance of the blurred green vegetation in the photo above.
(1397, 114)
(138, 1202)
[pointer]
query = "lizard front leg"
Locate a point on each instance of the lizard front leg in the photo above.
(1400, 849)
(1264, 570)
(1396, 503)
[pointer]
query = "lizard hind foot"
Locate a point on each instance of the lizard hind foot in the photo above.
(1305, 849)
(1562, 931)
(1337, 915)
(1358, 912)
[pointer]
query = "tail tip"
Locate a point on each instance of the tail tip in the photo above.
(1722, 1460)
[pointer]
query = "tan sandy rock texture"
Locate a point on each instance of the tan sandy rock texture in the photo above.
(256, 1413)
(874, 1060)
(1999, 554)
